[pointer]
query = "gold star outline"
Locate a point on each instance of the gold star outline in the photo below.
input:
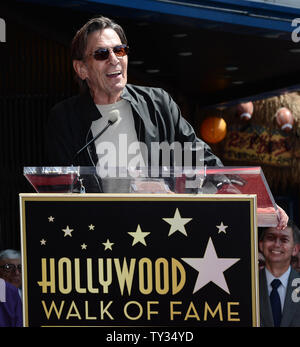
(177, 223)
(107, 245)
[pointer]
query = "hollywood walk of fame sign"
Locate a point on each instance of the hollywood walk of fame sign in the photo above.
(139, 260)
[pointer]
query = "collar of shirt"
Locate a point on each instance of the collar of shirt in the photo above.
(282, 288)
(283, 278)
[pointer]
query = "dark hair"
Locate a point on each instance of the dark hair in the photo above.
(80, 40)
(291, 224)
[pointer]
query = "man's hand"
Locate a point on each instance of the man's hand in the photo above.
(282, 218)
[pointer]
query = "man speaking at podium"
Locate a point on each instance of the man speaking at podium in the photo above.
(144, 115)
(110, 114)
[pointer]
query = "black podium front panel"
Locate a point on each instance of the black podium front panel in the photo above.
(139, 260)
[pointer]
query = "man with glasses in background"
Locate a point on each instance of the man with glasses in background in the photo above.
(10, 289)
(11, 268)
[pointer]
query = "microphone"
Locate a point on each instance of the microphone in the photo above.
(113, 117)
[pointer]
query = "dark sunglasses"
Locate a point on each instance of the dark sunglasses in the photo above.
(103, 53)
(11, 267)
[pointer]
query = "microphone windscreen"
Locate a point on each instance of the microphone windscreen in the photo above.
(113, 116)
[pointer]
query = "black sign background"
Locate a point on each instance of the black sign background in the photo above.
(96, 219)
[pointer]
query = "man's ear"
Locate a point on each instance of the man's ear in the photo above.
(296, 249)
(260, 246)
(80, 69)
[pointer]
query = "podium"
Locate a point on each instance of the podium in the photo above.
(175, 250)
(208, 180)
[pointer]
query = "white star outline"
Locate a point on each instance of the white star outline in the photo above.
(222, 228)
(211, 268)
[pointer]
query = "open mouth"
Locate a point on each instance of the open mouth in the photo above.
(276, 252)
(113, 74)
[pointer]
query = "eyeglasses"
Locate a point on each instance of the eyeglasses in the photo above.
(11, 267)
(103, 53)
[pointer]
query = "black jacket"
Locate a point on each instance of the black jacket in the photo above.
(157, 119)
(291, 308)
